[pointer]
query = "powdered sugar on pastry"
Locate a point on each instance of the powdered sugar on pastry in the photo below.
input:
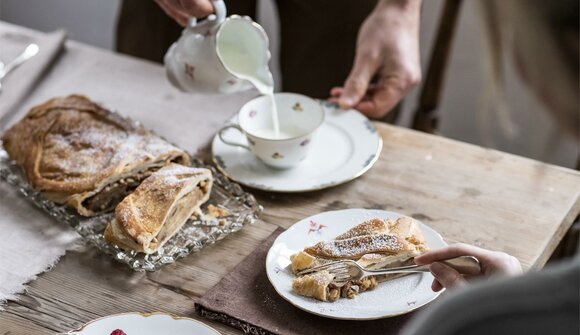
(370, 227)
(374, 244)
(356, 247)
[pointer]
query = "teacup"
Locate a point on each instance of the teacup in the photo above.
(299, 119)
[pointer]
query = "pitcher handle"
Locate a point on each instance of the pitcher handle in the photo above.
(235, 126)
(218, 17)
(220, 10)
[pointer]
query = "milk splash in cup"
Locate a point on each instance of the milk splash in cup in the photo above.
(300, 118)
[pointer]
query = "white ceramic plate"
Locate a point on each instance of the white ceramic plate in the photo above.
(390, 298)
(145, 324)
(345, 147)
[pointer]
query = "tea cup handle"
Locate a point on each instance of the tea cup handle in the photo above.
(235, 126)
(220, 15)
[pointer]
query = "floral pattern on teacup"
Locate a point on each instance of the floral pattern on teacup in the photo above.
(277, 155)
(252, 113)
(297, 107)
(189, 70)
(315, 227)
(305, 142)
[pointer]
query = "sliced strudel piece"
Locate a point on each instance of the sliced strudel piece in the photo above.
(370, 227)
(316, 285)
(374, 244)
(159, 207)
(407, 229)
(77, 153)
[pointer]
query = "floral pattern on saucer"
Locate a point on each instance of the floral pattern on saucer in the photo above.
(297, 107)
(344, 147)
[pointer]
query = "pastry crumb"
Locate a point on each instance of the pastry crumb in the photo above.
(217, 212)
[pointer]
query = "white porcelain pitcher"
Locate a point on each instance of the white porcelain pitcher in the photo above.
(220, 55)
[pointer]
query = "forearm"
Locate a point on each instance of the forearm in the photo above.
(407, 12)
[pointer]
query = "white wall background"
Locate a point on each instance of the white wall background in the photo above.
(93, 22)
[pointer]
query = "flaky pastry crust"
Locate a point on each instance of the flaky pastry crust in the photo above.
(159, 207)
(70, 149)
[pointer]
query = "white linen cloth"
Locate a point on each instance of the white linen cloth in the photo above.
(135, 88)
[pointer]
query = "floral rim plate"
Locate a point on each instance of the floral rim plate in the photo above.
(145, 324)
(390, 298)
(345, 147)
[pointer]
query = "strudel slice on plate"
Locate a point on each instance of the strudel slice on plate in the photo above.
(77, 153)
(374, 244)
(159, 207)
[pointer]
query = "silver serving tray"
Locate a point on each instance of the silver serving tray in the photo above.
(195, 234)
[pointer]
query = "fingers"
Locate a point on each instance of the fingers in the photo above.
(508, 264)
(172, 12)
(455, 250)
(445, 276)
(196, 8)
(492, 262)
(336, 92)
(355, 86)
(381, 100)
(378, 99)
(181, 10)
(436, 286)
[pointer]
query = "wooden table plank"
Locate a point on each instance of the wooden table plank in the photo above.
(11, 324)
(86, 285)
(467, 193)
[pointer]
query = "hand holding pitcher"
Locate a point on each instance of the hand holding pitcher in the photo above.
(219, 55)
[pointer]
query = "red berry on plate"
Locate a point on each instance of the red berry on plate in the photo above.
(118, 332)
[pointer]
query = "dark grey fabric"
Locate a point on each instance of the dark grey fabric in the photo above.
(544, 302)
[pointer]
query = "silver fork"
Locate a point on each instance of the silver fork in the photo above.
(30, 51)
(346, 270)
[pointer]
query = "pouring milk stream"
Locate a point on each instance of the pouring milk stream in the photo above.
(244, 64)
(224, 55)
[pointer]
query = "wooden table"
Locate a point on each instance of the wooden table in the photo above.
(467, 193)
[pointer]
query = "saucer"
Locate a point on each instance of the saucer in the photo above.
(345, 147)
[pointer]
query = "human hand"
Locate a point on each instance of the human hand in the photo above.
(387, 47)
(492, 263)
(181, 10)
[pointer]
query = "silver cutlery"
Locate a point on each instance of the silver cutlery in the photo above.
(346, 270)
(30, 51)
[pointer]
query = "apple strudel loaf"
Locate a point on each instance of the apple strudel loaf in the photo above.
(77, 153)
